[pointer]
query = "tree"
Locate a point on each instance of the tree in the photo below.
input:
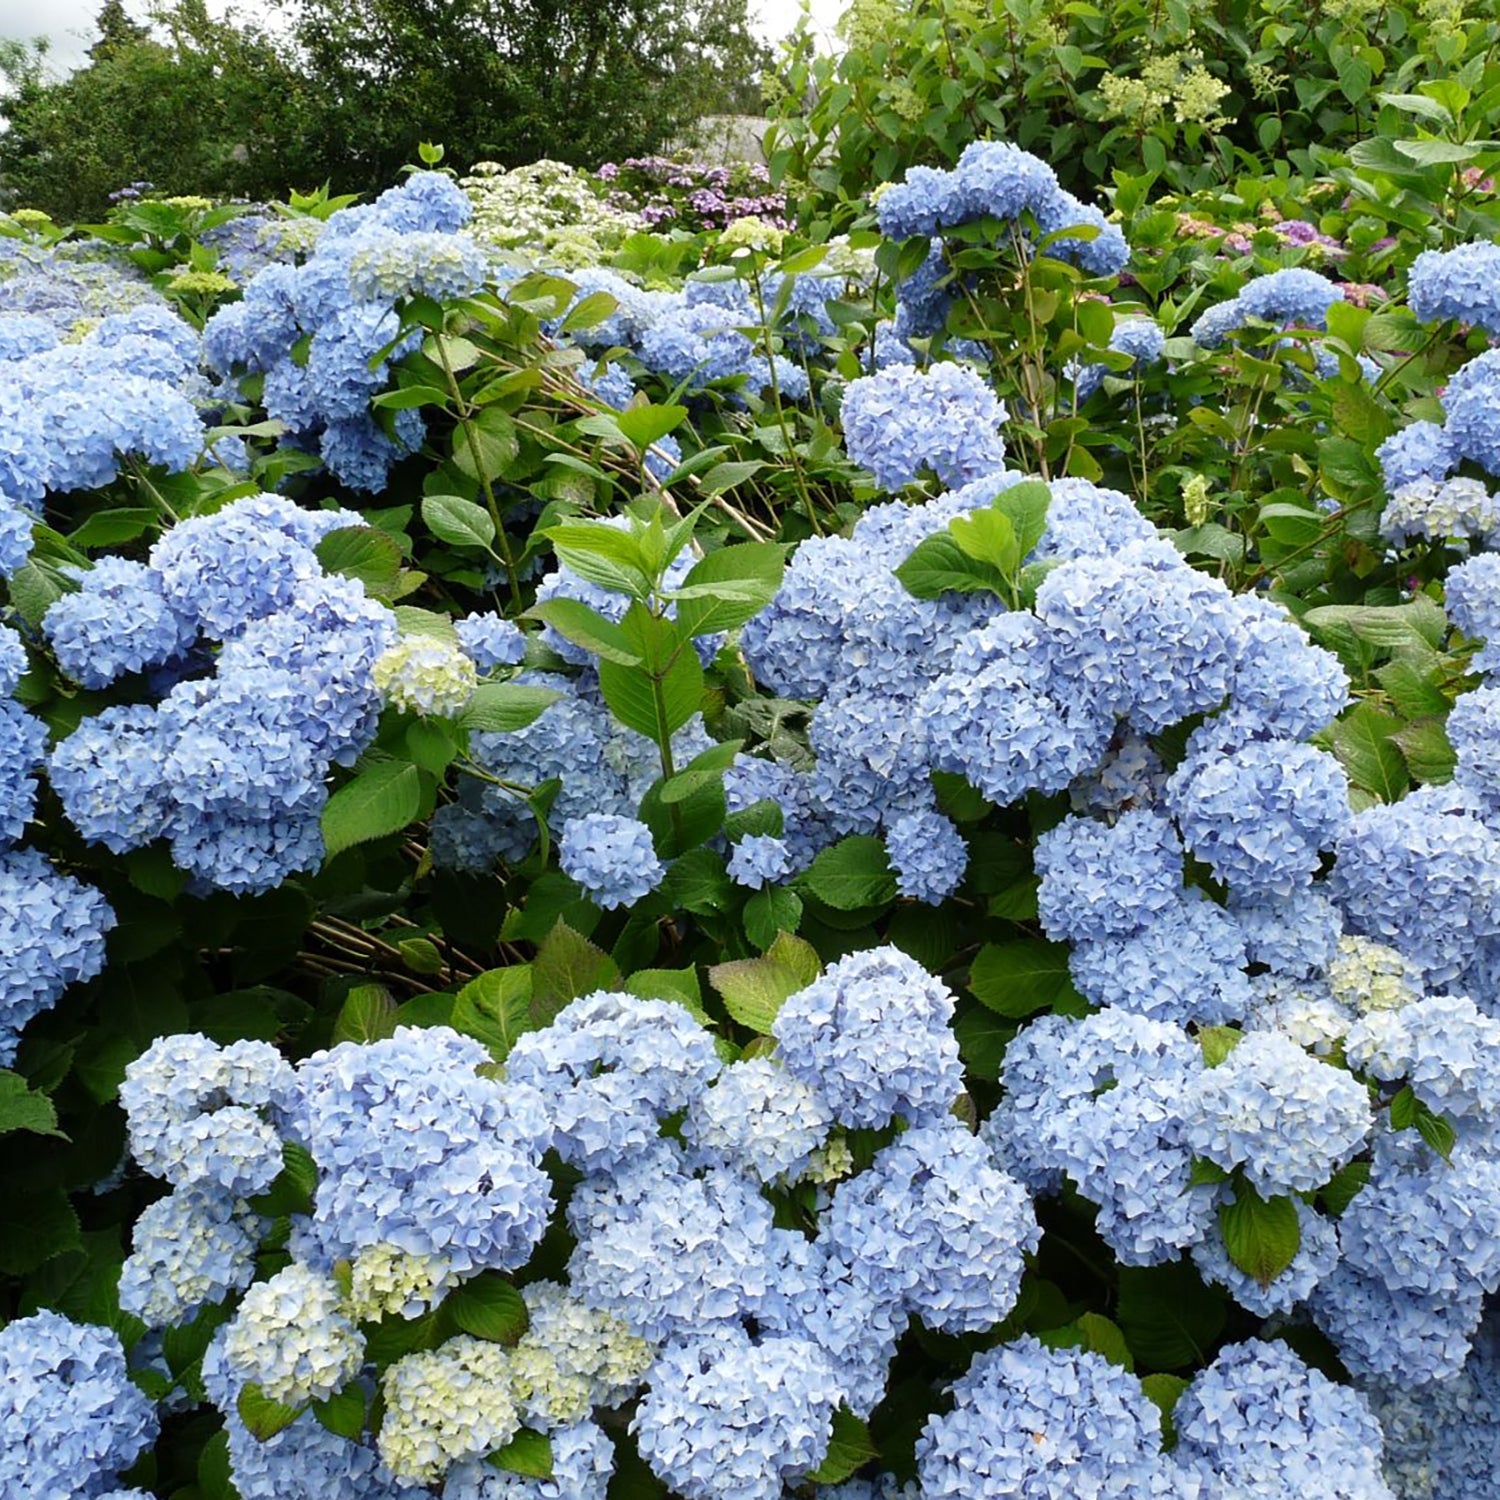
(514, 80)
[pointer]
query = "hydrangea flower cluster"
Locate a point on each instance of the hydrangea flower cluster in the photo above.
(1293, 298)
(230, 769)
(1451, 510)
(996, 180)
(406, 243)
(1458, 284)
(70, 1417)
(1139, 337)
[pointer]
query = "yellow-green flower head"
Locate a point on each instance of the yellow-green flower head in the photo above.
(422, 674)
(1370, 976)
(201, 283)
(830, 1163)
(386, 1279)
(752, 233)
(447, 1404)
(573, 1358)
(31, 217)
(292, 1337)
(190, 202)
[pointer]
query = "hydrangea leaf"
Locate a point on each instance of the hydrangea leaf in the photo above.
(566, 966)
(363, 552)
(849, 1448)
(22, 1109)
(1018, 979)
(1262, 1235)
(368, 1014)
(1169, 1318)
(489, 1307)
(495, 1008)
(1363, 743)
(343, 1412)
(852, 874)
(728, 586)
(754, 989)
(505, 707)
(528, 1453)
(457, 521)
(263, 1416)
(382, 799)
(770, 914)
(938, 565)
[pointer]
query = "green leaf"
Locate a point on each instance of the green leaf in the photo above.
(849, 1448)
(1437, 1132)
(383, 799)
(796, 954)
(603, 555)
(35, 1228)
(486, 445)
(1436, 153)
(701, 771)
(1026, 505)
(21, 1109)
(505, 707)
(770, 913)
(566, 966)
(1262, 1235)
(489, 1307)
(644, 425)
(1094, 1332)
(938, 565)
(754, 989)
(368, 1014)
(528, 1453)
(409, 396)
(589, 311)
(988, 537)
(457, 521)
(652, 707)
(263, 1416)
(413, 621)
(1217, 1042)
(1292, 525)
(727, 476)
(1362, 740)
(851, 874)
(737, 582)
(1344, 1186)
(1169, 1318)
(363, 552)
(34, 590)
(495, 1008)
(343, 1412)
(1018, 979)
(1427, 750)
(586, 627)
(1165, 1391)
(680, 985)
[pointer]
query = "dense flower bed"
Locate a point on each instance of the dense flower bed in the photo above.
(738, 868)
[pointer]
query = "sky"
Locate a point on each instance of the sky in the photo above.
(68, 24)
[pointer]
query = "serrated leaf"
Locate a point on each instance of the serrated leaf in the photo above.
(1428, 751)
(263, 1416)
(457, 521)
(486, 445)
(644, 425)
(1205, 1173)
(489, 1307)
(505, 707)
(754, 989)
(1026, 505)
(705, 768)
(851, 874)
(566, 966)
(1165, 1391)
(576, 622)
(1262, 1235)
(368, 1014)
(656, 708)
(382, 799)
(938, 565)
(1344, 1186)
(343, 1412)
(798, 955)
(589, 311)
(1437, 1132)
(770, 913)
(987, 536)
(1217, 1042)
(363, 552)
(1362, 740)
(680, 985)
(737, 582)
(22, 1109)
(1094, 1332)
(528, 1453)
(1169, 1318)
(1018, 979)
(603, 555)
(495, 1008)
(849, 1448)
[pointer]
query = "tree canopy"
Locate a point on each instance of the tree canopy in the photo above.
(343, 91)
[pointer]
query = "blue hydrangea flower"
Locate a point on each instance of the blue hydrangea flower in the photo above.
(609, 1069)
(1295, 297)
(611, 857)
(937, 1229)
(727, 1418)
(1452, 511)
(1471, 406)
(1317, 1254)
(1049, 1424)
(52, 931)
(492, 641)
(70, 1417)
(1473, 598)
(1290, 1120)
(901, 421)
(759, 1118)
(1458, 284)
(292, 1337)
(1261, 816)
(117, 620)
(1259, 1417)
(928, 854)
(873, 1037)
(1420, 451)
(1103, 880)
(759, 860)
(583, 1461)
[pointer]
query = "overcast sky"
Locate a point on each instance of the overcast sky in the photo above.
(68, 24)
